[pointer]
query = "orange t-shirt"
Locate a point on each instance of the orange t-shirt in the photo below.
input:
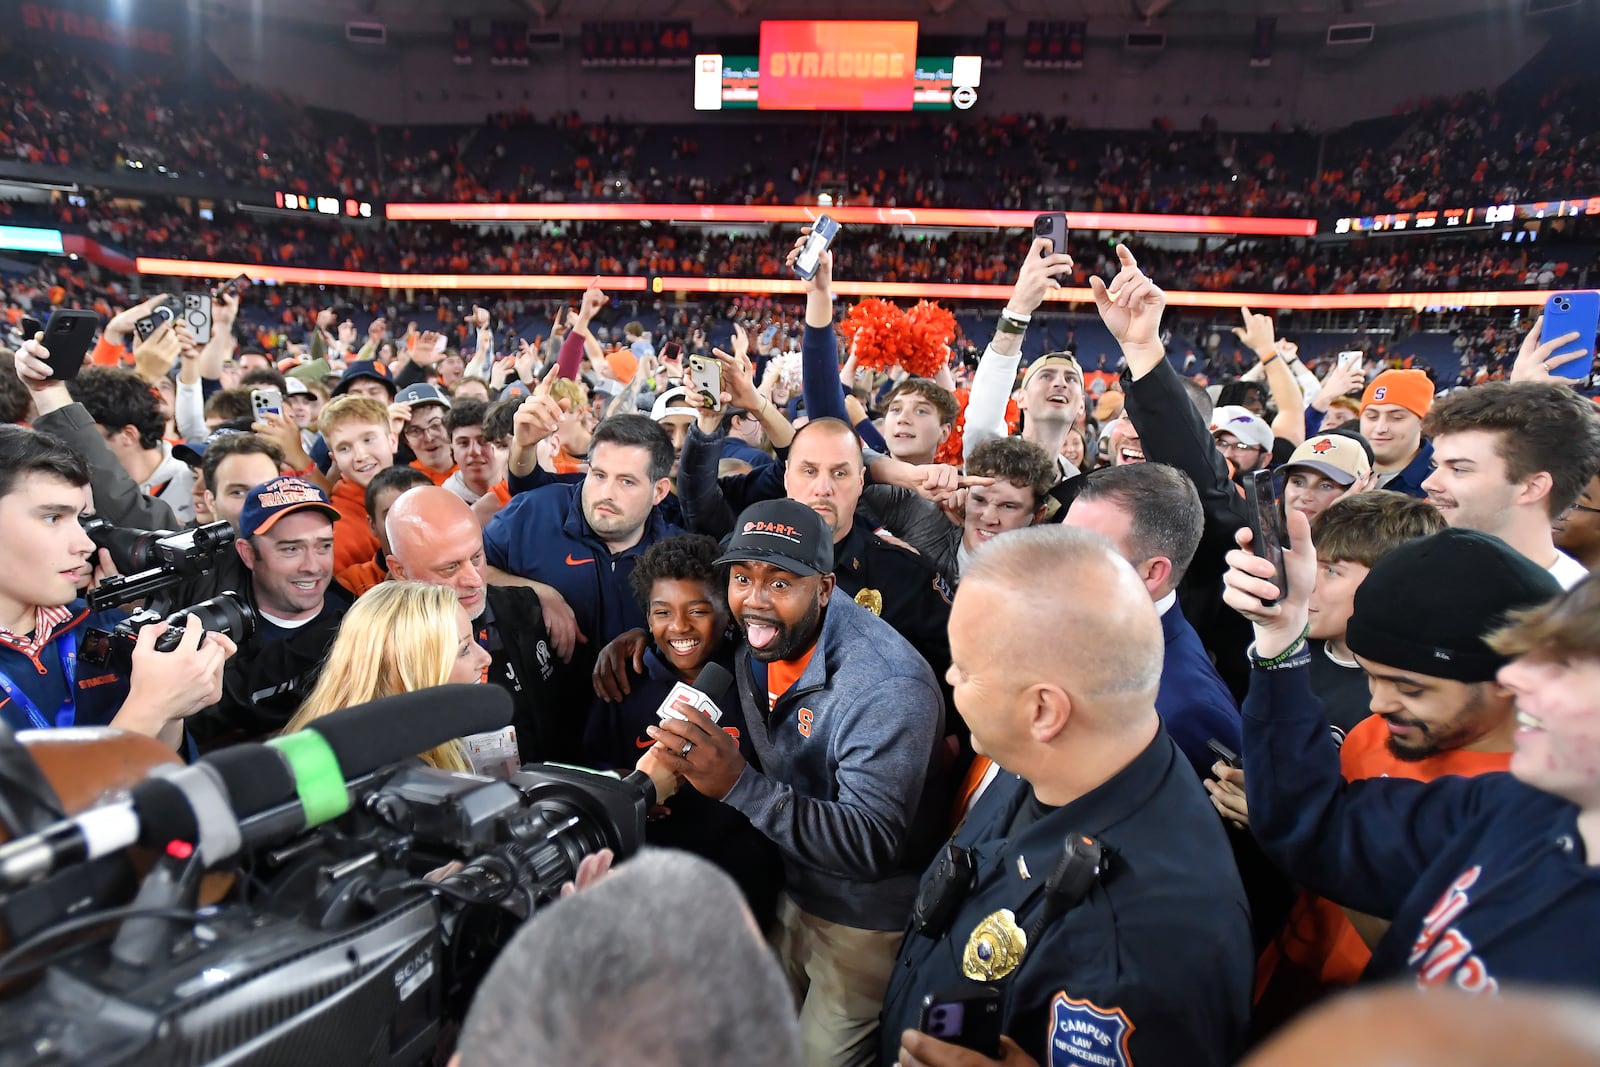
(1318, 938)
(439, 477)
(783, 673)
(353, 541)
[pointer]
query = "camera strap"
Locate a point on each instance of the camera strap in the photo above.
(67, 648)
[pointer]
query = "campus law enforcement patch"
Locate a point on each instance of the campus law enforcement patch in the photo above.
(1085, 1035)
(871, 599)
(995, 948)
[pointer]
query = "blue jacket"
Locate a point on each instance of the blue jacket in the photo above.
(1193, 701)
(1409, 480)
(52, 678)
(1484, 879)
(851, 784)
(543, 535)
(1151, 967)
(733, 448)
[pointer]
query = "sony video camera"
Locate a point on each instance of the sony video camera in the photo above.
(334, 945)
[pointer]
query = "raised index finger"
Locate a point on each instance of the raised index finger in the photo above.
(547, 381)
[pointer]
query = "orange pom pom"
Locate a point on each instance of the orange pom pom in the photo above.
(954, 446)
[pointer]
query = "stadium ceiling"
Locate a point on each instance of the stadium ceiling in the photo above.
(957, 16)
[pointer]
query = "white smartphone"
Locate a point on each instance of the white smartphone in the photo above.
(705, 376)
(1349, 357)
(265, 400)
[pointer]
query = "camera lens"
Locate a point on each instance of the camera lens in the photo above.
(227, 613)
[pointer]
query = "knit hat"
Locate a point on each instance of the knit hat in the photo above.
(1427, 605)
(1410, 389)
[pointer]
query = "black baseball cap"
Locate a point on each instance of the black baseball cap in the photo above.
(784, 533)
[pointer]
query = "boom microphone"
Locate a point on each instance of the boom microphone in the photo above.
(206, 803)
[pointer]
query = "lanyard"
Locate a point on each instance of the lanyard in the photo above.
(67, 645)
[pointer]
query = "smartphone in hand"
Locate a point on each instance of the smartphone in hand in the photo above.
(267, 400)
(969, 1018)
(1053, 226)
(197, 313)
(160, 314)
(1267, 538)
(823, 232)
(1574, 312)
(68, 337)
(1225, 754)
(705, 377)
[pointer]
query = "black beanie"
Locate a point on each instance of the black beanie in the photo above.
(1427, 605)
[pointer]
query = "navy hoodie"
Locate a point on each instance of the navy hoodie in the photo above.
(1484, 879)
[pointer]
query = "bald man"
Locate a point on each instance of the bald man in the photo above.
(1143, 954)
(434, 538)
(1408, 1027)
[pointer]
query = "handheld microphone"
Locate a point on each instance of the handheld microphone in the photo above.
(210, 802)
(706, 694)
(714, 680)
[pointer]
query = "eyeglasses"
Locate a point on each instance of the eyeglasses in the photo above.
(432, 428)
(1238, 446)
(1584, 507)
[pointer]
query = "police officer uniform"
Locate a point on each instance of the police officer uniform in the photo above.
(899, 587)
(1143, 955)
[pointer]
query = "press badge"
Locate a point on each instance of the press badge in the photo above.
(494, 754)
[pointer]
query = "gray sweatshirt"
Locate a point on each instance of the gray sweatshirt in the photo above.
(852, 787)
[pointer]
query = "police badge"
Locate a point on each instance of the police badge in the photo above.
(995, 948)
(871, 599)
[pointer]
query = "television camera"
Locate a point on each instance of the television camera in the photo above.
(344, 938)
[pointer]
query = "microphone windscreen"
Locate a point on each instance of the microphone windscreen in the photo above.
(373, 735)
(256, 777)
(714, 681)
(164, 813)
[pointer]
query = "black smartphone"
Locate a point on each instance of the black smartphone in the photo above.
(161, 313)
(67, 337)
(671, 352)
(1267, 538)
(1224, 753)
(969, 1018)
(1052, 225)
(823, 231)
(236, 287)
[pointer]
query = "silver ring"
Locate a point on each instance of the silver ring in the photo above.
(688, 747)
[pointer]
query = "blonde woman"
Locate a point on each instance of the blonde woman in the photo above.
(398, 637)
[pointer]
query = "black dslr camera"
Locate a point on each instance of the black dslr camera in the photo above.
(227, 613)
(152, 562)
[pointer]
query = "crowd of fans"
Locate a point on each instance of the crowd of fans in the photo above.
(1146, 701)
(1462, 262)
(1523, 141)
(921, 716)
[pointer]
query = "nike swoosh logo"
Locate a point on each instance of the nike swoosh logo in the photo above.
(575, 562)
(643, 742)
